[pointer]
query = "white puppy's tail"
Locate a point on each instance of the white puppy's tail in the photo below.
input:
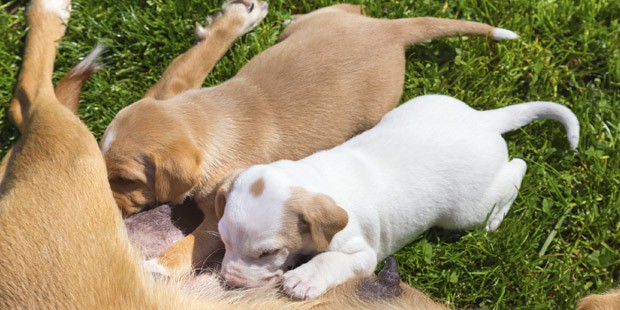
(516, 116)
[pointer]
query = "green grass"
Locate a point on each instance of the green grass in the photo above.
(561, 239)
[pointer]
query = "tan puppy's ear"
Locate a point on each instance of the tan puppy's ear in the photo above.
(177, 171)
(324, 217)
(222, 192)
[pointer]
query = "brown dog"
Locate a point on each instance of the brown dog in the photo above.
(62, 241)
(333, 74)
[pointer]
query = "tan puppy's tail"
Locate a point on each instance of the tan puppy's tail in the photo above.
(410, 31)
(35, 78)
(70, 86)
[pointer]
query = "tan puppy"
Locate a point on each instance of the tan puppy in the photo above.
(607, 301)
(335, 73)
(62, 241)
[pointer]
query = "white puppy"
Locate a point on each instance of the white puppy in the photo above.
(433, 161)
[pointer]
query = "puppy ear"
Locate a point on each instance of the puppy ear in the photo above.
(222, 192)
(177, 171)
(324, 217)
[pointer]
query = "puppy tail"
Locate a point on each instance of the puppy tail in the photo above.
(516, 116)
(70, 86)
(416, 30)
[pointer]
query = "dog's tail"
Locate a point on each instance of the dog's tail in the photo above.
(515, 116)
(410, 31)
(70, 86)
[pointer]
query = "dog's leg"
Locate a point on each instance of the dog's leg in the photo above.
(327, 270)
(70, 86)
(190, 69)
(48, 22)
(195, 249)
(505, 190)
(410, 31)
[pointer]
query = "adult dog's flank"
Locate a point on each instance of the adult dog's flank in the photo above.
(62, 241)
(333, 74)
(433, 161)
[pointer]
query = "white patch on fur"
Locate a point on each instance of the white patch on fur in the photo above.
(109, 138)
(62, 8)
(503, 34)
(153, 266)
(90, 61)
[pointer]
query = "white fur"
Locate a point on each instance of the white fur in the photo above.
(109, 138)
(433, 161)
(62, 8)
(503, 34)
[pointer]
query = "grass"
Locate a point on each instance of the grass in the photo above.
(561, 238)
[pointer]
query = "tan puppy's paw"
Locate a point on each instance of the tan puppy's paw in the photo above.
(252, 12)
(62, 8)
(304, 282)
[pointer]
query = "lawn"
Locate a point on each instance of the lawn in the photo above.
(561, 239)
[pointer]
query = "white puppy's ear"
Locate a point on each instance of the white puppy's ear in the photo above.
(324, 217)
(222, 192)
(177, 171)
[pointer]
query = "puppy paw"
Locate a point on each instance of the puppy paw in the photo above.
(252, 12)
(62, 8)
(304, 282)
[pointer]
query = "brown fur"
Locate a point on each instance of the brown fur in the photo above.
(607, 301)
(311, 91)
(324, 217)
(257, 187)
(62, 241)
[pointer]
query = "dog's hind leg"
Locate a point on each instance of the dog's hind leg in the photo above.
(48, 22)
(505, 190)
(410, 31)
(190, 69)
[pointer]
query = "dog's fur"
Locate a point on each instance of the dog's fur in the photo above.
(433, 161)
(333, 74)
(606, 301)
(62, 241)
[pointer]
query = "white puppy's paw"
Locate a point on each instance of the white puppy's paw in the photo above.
(62, 8)
(153, 266)
(252, 12)
(304, 282)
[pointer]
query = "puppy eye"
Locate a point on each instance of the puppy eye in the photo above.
(268, 253)
(120, 180)
(250, 7)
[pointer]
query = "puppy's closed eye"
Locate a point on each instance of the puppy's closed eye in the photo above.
(121, 181)
(268, 253)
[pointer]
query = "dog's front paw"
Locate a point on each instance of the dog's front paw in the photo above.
(251, 11)
(304, 282)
